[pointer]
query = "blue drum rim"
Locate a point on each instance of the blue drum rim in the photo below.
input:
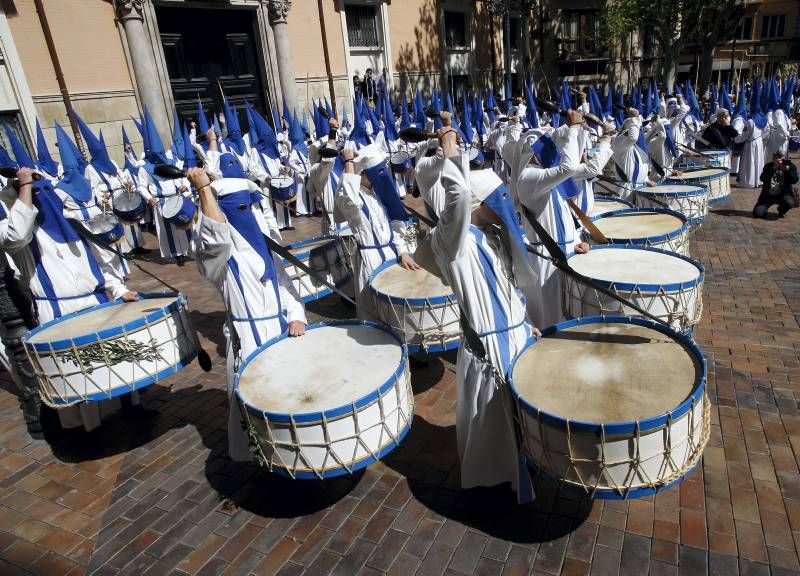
(333, 412)
(412, 348)
(342, 471)
(625, 286)
(723, 172)
(180, 217)
(57, 345)
(604, 198)
(306, 242)
(626, 185)
(139, 384)
(610, 493)
(436, 300)
(611, 428)
(640, 211)
(698, 191)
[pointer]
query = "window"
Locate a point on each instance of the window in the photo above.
(772, 26)
(362, 26)
(514, 32)
(745, 29)
(455, 29)
(580, 32)
(12, 120)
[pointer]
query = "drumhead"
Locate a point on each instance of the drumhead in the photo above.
(397, 282)
(601, 206)
(127, 201)
(606, 372)
(635, 266)
(103, 317)
(638, 224)
(399, 157)
(328, 367)
(705, 173)
(673, 190)
(172, 206)
(308, 246)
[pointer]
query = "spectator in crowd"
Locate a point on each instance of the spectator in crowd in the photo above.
(777, 180)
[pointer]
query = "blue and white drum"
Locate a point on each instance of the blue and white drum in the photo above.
(328, 403)
(660, 228)
(400, 161)
(111, 349)
(179, 211)
(715, 179)
(476, 157)
(691, 201)
(611, 407)
(129, 207)
(105, 229)
(716, 158)
(665, 284)
(416, 305)
(624, 190)
(326, 256)
(606, 204)
(283, 188)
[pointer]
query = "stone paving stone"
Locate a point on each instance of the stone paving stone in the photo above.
(161, 497)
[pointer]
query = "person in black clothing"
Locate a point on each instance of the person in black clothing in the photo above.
(356, 86)
(720, 133)
(368, 88)
(777, 179)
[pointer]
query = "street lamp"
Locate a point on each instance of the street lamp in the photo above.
(504, 8)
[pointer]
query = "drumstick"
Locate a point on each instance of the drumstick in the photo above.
(594, 231)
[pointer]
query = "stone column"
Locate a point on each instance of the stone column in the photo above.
(278, 10)
(130, 14)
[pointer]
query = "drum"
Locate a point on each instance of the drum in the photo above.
(328, 403)
(111, 349)
(400, 161)
(179, 211)
(104, 229)
(715, 158)
(325, 255)
(659, 227)
(283, 188)
(476, 157)
(605, 204)
(665, 284)
(129, 207)
(691, 201)
(417, 305)
(613, 408)
(716, 179)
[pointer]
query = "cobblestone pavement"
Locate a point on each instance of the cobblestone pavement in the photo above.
(155, 494)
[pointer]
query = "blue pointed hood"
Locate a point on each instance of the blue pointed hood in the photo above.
(6, 160)
(189, 159)
(304, 125)
(358, 134)
(741, 106)
(296, 135)
(608, 103)
(276, 120)
(508, 98)
(202, 121)
(786, 95)
(389, 126)
(154, 151)
(234, 138)
(73, 182)
(331, 111)
(252, 131)
(419, 111)
(531, 113)
(139, 125)
(725, 99)
(45, 160)
(405, 119)
(774, 101)
(267, 141)
(178, 146)
(128, 165)
(97, 149)
(18, 149)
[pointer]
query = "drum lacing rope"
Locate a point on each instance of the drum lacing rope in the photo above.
(276, 460)
(694, 450)
(442, 334)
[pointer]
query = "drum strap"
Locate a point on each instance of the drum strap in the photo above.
(559, 260)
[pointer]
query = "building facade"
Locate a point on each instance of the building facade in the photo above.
(107, 59)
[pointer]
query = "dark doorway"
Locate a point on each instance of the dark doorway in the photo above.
(208, 48)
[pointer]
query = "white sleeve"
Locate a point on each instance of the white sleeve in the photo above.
(454, 220)
(290, 299)
(318, 175)
(535, 182)
(399, 234)
(213, 248)
(16, 231)
(268, 222)
(114, 283)
(212, 164)
(144, 184)
(594, 167)
(347, 205)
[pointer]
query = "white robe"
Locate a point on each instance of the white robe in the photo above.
(631, 160)
(299, 166)
(535, 188)
(477, 269)
(752, 159)
(63, 278)
(736, 155)
(172, 241)
(323, 184)
(378, 239)
(226, 260)
(660, 153)
(778, 137)
(428, 173)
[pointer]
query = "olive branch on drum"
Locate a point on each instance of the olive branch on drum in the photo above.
(113, 352)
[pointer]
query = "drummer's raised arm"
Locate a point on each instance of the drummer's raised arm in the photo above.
(208, 202)
(454, 219)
